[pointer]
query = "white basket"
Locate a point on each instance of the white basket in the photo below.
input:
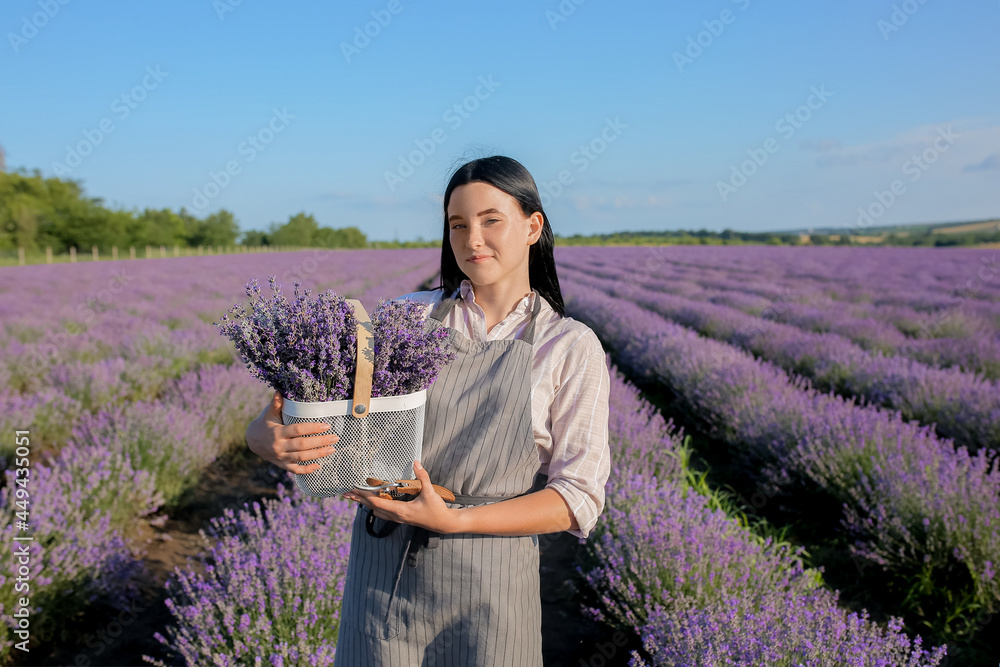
(383, 443)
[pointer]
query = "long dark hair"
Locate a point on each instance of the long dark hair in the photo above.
(510, 176)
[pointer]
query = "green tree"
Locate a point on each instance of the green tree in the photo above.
(255, 237)
(348, 237)
(219, 228)
(298, 231)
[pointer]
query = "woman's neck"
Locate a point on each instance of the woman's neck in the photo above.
(498, 301)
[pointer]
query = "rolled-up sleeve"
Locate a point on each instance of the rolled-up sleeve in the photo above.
(581, 457)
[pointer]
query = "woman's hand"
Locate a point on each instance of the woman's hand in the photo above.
(428, 510)
(283, 445)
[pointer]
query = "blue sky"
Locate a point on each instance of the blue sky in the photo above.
(660, 115)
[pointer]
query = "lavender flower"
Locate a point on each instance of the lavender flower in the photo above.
(698, 587)
(889, 474)
(307, 349)
(270, 584)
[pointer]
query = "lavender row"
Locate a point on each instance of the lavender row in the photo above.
(961, 406)
(700, 588)
(925, 278)
(957, 329)
(126, 407)
(912, 309)
(268, 587)
(912, 503)
(80, 338)
(120, 467)
(133, 310)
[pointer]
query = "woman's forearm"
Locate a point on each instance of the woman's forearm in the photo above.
(536, 513)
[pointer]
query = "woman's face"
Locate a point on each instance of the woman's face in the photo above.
(489, 234)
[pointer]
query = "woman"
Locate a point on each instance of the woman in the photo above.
(527, 396)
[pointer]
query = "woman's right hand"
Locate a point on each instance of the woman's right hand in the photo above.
(283, 445)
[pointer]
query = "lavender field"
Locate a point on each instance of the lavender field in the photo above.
(836, 500)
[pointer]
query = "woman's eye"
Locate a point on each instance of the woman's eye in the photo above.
(493, 220)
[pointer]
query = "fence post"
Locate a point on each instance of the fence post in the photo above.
(20, 256)
(93, 250)
(48, 254)
(177, 250)
(131, 252)
(163, 251)
(114, 252)
(72, 254)
(200, 249)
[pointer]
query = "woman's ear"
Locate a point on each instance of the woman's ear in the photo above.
(535, 224)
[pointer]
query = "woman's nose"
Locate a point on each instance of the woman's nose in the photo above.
(475, 238)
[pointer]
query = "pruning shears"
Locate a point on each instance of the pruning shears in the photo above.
(402, 487)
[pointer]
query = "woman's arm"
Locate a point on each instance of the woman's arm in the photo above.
(536, 513)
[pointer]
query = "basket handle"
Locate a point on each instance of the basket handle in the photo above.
(365, 367)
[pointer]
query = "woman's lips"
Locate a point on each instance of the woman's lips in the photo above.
(479, 258)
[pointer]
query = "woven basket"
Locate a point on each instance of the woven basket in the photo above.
(379, 437)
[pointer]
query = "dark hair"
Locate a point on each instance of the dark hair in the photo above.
(510, 176)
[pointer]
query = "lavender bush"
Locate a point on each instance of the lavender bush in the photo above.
(271, 589)
(307, 349)
(165, 440)
(697, 586)
(83, 505)
(962, 406)
(120, 360)
(932, 305)
(907, 493)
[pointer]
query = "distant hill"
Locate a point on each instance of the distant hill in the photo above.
(912, 228)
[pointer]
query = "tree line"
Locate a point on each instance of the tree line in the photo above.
(38, 212)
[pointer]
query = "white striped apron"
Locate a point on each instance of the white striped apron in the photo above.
(419, 598)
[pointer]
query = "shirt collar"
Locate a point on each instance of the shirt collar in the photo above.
(523, 306)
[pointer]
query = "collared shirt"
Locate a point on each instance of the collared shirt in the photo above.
(570, 386)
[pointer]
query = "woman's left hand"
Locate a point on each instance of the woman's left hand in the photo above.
(427, 510)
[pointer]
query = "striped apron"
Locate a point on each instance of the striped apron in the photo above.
(419, 598)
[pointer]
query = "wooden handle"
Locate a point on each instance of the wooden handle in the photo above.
(413, 486)
(365, 365)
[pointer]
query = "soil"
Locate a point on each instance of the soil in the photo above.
(568, 637)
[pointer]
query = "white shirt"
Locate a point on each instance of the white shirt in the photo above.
(570, 387)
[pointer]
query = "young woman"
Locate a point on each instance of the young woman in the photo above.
(516, 426)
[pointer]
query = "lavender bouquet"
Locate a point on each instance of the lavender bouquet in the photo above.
(307, 349)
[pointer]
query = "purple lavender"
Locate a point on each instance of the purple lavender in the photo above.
(307, 349)
(700, 588)
(84, 507)
(912, 502)
(269, 586)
